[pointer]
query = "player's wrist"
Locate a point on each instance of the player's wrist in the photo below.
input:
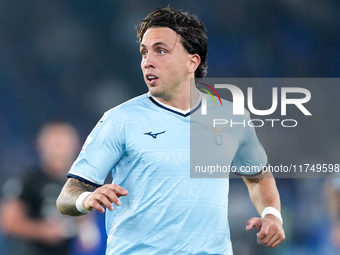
(80, 200)
(272, 211)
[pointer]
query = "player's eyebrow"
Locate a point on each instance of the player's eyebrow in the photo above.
(155, 45)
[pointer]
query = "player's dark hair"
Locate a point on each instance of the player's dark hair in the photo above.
(188, 26)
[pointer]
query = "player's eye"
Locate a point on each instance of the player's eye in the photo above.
(143, 52)
(161, 51)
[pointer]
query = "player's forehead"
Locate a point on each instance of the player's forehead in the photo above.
(159, 36)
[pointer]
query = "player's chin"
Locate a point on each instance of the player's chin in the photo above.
(155, 92)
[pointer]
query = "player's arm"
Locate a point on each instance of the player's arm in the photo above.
(263, 193)
(99, 198)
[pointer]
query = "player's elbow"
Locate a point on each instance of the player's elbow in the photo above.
(60, 205)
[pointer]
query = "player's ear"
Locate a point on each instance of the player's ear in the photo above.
(195, 61)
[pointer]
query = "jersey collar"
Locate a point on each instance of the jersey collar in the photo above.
(175, 110)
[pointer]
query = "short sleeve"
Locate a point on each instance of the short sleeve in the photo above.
(101, 151)
(250, 158)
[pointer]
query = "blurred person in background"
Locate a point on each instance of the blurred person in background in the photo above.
(28, 213)
(333, 192)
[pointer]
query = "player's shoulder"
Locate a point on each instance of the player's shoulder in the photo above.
(128, 107)
(218, 104)
(226, 103)
(222, 107)
(133, 102)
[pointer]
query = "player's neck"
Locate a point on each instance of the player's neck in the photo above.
(183, 100)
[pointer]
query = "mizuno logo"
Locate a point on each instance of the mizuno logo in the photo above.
(154, 135)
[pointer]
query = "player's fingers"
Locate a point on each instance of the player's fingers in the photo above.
(254, 223)
(98, 207)
(259, 241)
(119, 191)
(90, 203)
(275, 237)
(264, 230)
(273, 240)
(113, 192)
(280, 237)
(277, 242)
(109, 194)
(98, 200)
(270, 238)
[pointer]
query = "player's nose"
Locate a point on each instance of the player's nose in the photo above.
(148, 61)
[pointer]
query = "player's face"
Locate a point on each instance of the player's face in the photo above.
(166, 65)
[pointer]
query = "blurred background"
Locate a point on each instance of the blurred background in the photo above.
(73, 60)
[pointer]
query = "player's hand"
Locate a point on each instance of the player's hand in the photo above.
(104, 197)
(270, 229)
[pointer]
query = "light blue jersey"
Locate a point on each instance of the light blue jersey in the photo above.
(145, 145)
(223, 144)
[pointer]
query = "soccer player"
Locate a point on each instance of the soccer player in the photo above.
(153, 206)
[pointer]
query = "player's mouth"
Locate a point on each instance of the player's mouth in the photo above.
(151, 79)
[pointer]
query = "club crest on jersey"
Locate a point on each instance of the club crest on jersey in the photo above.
(218, 134)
